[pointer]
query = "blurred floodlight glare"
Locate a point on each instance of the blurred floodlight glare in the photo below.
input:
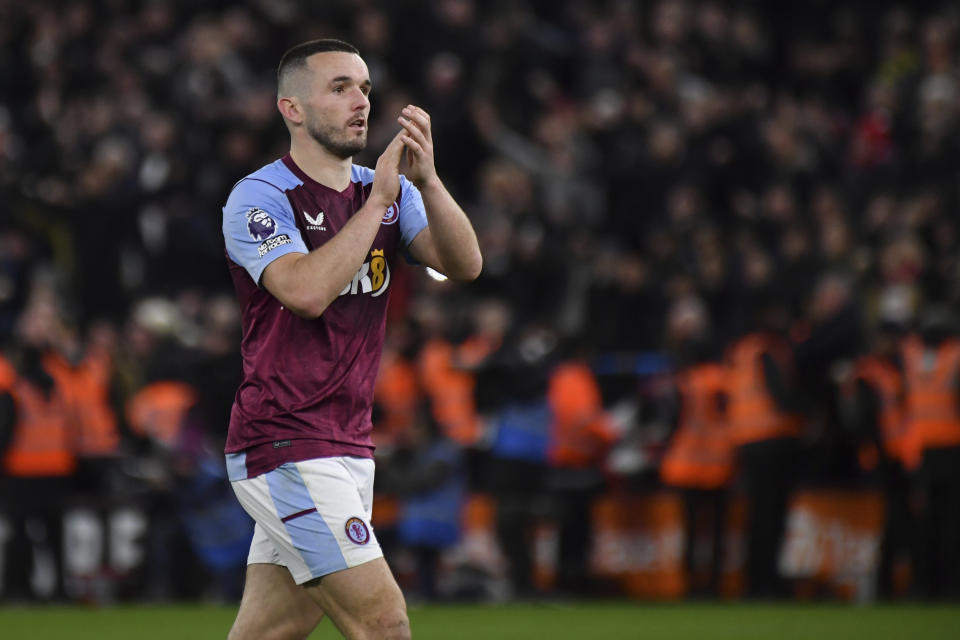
(436, 275)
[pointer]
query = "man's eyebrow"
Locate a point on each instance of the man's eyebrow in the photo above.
(366, 82)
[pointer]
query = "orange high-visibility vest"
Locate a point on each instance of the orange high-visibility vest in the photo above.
(451, 392)
(7, 376)
(930, 377)
(580, 433)
(158, 410)
(87, 390)
(42, 434)
(752, 411)
(884, 378)
(700, 453)
(397, 392)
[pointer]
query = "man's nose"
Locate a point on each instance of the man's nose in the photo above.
(361, 101)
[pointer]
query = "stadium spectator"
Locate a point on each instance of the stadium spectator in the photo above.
(513, 384)
(699, 458)
(766, 424)
(872, 406)
(447, 374)
(428, 476)
(398, 392)
(931, 363)
(581, 435)
(39, 459)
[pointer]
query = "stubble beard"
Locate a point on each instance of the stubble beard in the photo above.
(335, 142)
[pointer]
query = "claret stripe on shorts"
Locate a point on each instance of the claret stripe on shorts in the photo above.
(297, 514)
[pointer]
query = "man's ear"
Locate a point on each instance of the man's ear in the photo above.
(289, 108)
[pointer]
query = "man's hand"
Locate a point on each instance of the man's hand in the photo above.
(418, 140)
(386, 180)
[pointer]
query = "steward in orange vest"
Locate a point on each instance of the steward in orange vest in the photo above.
(876, 389)
(931, 365)
(932, 375)
(158, 411)
(765, 426)
(42, 433)
(87, 386)
(873, 398)
(397, 398)
(580, 437)
(699, 459)
(700, 452)
(450, 388)
(449, 370)
(581, 433)
(37, 464)
(758, 366)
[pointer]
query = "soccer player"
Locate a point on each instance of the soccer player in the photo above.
(311, 240)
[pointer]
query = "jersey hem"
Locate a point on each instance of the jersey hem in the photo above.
(267, 456)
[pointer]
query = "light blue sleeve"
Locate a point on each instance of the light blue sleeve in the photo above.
(413, 217)
(259, 227)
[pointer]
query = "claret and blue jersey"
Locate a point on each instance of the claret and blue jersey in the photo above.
(307, 384)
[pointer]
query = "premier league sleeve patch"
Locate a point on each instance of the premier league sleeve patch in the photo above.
(260, 225)
(273, 243)
(357, 531)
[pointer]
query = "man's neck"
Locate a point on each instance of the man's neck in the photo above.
(324, 167)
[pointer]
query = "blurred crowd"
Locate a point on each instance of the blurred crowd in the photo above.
(659, 189)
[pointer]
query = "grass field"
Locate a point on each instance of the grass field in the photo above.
(508, 622)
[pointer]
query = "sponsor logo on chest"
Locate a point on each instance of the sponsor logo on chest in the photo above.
(372, 278)
(314, 223)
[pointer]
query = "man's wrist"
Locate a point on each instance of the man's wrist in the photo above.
(433, 183)
(379, 200)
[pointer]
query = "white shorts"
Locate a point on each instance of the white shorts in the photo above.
(312, 517)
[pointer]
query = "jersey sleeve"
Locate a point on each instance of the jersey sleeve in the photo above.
(259, 227)
(413, 217)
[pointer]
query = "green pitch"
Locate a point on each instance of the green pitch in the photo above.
(528, 621)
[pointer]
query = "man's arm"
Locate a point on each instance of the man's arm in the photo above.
(449, 243)
(307, 283)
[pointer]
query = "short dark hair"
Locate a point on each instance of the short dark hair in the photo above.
(295, 59)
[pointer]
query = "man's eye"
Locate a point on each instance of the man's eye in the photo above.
(338, 89)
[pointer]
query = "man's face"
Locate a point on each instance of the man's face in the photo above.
(337, 106)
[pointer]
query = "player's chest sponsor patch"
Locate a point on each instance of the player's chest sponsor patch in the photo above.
(372, 278)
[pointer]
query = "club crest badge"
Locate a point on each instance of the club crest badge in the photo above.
(391, 214)
(357, 531)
